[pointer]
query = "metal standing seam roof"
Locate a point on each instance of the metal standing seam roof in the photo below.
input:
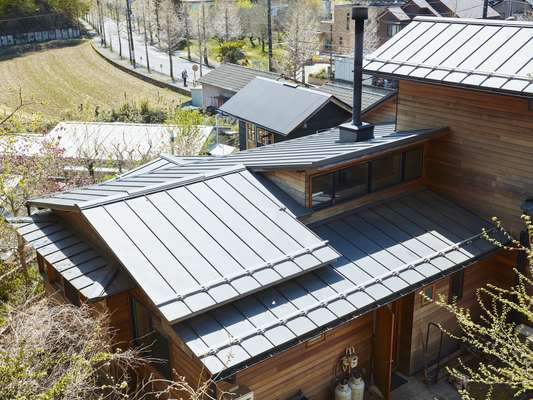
(72, 256)
(233, 77)
(469, 8)
(399, 13)
(312, 151)
(277, 106)
(371, 96)
(205, 243)
(484, 54)
(387, 250)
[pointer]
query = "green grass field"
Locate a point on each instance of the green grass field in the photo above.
(256, 57)
(62, 78)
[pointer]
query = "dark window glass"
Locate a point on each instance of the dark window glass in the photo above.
(160, 351)
(456, 286)
(351, 182)
(71, 293)
(386, 171)
(322, 187)
(413, 164)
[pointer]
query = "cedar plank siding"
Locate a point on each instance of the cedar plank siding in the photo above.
(487, 154)
(309, 368)
(496, 269)
(383, 113)
(292, 182)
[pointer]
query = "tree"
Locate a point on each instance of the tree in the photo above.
(117, 10)
(507, 356)
(186, 135)
(301, 36)
(170, 28)
(255, 22)
(226, 20)
(185, 16)
(232, 52)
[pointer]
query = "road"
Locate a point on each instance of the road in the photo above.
(159, 60)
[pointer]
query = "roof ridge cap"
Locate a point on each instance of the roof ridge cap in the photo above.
(162, 187)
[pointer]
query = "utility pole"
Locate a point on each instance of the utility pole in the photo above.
(201, 54)
(145, 38)
(269, 29)
(130, 33)
(331, 50)
(206, 59)
(485, 8)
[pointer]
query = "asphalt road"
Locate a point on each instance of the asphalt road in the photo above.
(159, 60)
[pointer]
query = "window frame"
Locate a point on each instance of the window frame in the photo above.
(164, 368)
(458, 294)
(370, 187)
(433, 288)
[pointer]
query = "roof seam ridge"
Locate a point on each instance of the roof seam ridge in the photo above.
(338, 296)
(180, 182)
(245, 272)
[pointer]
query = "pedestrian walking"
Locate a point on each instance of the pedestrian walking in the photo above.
(184, 76)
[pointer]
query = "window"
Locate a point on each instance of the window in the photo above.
(351, 182)
(250, 136)
(413, 162)
(149, 339)
(347, 21)
(322, 190)
(456, 286)
(358, 180)
(429, 295)
(264, 137)
(340, 40)
(393, 29)
(386, 171)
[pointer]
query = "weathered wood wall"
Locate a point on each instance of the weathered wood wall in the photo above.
(292, 182)
(496, 269)
(485, 163)
(383, 113)
(309, 368)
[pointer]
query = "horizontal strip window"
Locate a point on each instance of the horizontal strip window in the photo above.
(361, 179)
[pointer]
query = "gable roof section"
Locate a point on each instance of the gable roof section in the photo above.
(388, 250)
(207, 242)
(277, 106)
(482, 54)
(324, 148)
(371, 96)
(72, 256)
(234, 77)
(469, 8)
(399, 14)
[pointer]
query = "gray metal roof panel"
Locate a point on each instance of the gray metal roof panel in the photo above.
(370, 96)
(306, 152)
(197, 246)
(276, 106)
(387, 250)
(72, 256)
(233, 77)
(485, 54)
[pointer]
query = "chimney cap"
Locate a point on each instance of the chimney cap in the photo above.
(359, 13)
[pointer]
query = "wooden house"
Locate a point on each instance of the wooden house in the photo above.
(271, 111)
(261, 268)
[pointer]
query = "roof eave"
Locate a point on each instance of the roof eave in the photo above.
(451, 84)
(228, 372)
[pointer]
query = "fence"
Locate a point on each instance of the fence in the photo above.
(7, 40)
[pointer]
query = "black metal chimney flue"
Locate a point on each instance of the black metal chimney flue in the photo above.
(359, 15)
(357, 130)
